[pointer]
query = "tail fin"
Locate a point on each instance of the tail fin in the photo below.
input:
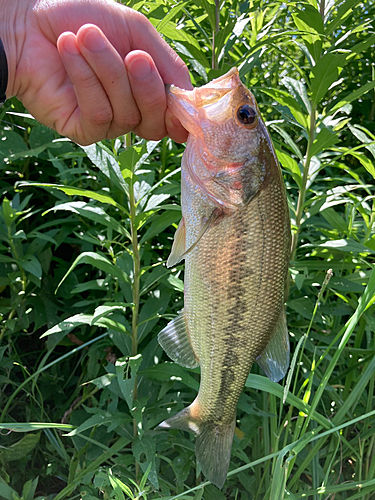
(214, 442)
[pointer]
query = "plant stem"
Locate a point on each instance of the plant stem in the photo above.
(136, 269)
(322, 8)
(136, 288)
(302, 193)
(215, 32)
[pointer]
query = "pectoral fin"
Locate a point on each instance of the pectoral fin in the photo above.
(175, 341)
(179, 251)
(275, 358)
(178, 247)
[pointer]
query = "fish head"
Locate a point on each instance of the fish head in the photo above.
(232, 147)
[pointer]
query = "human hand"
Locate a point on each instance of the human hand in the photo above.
(93, 69)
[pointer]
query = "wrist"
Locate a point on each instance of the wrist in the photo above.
(12, 34)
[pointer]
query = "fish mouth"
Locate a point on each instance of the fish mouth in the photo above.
(210, 100)
(182, 104)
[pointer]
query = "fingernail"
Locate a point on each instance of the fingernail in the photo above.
(70, 46)
(139, 68)
(94, 41)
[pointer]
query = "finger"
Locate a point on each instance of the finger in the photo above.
(149, 93)
(174, 128)
(92, 118)
(110, 70)
(170, 66)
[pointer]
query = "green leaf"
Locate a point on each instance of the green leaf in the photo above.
(21, 448)
(40, 136)
(64, 327)
(325, 73)
(10, 143)
(117, 484)
(95, 420)
(310, 23)
(5, 258)
(347, 246)
(176, 283)
(365, 162)
(361, 134)
(94, 213)
(171, 14)
(72, 191)
(285, 99)
(170, 31)
(209, 7)
(261, 383)
(353, 96)
(288, 140)
(324, 140)
(289, 164)
(7, 492)
(307, 18)
(305, 308)
(33, 426)
(345, 285)
(29, 488)
(103, 381)
(144, 451)
(98, 261)
(211, 492)
(106, 162)
(160, 223)
(107, 308)
(335, 220)
(155, 201)
(32, 265)
(153, 277)
(342, 12)
(171, 372)
(127, 384)
(8, 212)
(298, 90)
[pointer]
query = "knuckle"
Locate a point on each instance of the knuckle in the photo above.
(102, 116)
(130, 121)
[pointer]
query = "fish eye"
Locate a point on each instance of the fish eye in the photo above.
(247, 115)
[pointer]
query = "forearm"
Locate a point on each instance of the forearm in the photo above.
(12, 33)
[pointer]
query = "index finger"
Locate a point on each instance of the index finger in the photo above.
(170, 66)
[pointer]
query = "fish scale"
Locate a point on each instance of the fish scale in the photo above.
(235, 239)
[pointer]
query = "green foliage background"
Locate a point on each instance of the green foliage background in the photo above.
(84, 236)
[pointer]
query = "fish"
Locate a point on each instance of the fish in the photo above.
(235, 238)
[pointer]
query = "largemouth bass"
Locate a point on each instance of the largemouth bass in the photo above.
(235, 239)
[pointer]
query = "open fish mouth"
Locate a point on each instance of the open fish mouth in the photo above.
(214, 97)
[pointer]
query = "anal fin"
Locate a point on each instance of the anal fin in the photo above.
(274, 360)
(175, 341)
